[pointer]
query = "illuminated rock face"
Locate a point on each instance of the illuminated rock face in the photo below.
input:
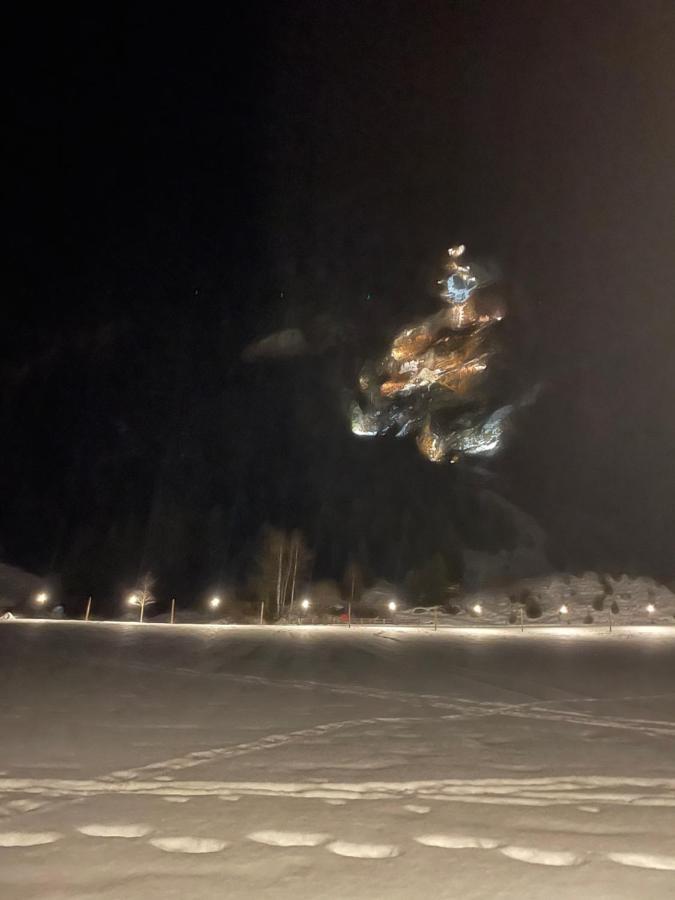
(434, 379)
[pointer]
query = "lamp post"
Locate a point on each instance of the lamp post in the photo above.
(304, 606)
(563, 611)
(392, 609)
(214, 603)
(42, 598)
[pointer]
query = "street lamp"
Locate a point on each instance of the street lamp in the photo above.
(478, 609)
(214, 602)
(651, 609)
(563, 610)
(41, 598)
(305, 604)
(392, 606)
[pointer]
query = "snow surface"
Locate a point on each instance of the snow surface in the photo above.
(631, 596)
(366, 763)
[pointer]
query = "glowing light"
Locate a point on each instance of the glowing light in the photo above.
(133, 600)
(563, 610)
(305, 604)
(214, 602)
(42, 598)
(651, 609)
(477, 608)
(431, 381)
(392, 606)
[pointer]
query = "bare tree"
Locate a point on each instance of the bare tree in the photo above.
(299, 564)
(142, 596)
(281, 564)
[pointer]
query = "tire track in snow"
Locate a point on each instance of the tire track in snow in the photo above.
(465, 708)
(201, 757)
(549, 791)
(270, 742)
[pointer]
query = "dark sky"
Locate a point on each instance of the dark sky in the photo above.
(179, 185)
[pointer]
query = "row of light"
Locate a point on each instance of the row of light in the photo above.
(214, 602)
(134, 600)
(478, 609)
(651, 609)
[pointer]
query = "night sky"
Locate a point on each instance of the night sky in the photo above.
(180, 186)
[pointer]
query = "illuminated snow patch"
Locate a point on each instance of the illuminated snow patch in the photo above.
(289, 838)
(188, 844)
(364, 851)
(542, 857)
(120, 831)
(644, 860)
(28, 838)
(457, 842)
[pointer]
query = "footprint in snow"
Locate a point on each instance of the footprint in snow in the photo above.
(28, 838)
(23, 805)
(188, 844)
(289, 838)
(542, 857)
(457, 842)
(120, 831)
(644, 860)
(364, 851)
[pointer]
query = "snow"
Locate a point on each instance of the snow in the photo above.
(121, 831)
(289, 838)
(577, 593)
(372, 762)
(457, 841)
(188, 844)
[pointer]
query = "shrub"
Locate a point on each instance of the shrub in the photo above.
(598, 604)
(614, 606)
(532, 608)
(513, 617)
(588, 619)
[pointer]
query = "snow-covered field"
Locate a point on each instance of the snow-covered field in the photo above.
(242, 762)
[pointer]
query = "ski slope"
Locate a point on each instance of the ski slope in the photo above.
(199, 762)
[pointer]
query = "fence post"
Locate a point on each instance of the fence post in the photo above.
(173, 610)
(262, 613)
(88, 610)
